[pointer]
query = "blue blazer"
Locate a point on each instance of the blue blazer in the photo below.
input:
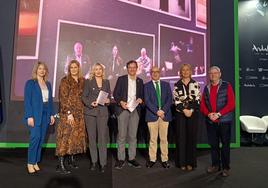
(33, 102)
(150, 100)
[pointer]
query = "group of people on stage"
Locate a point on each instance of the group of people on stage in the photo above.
(83, 118)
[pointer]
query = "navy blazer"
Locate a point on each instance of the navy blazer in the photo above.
(150, 100)
(33, 102)
(121, 91)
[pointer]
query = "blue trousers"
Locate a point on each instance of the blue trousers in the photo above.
(37, 137)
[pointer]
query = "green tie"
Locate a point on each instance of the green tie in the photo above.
(157, 88)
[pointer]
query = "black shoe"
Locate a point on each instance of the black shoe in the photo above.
(72, 162)
(150, 164)
(102, 168)
(61, 168)
(93, 166)
(119, 164)
(134, 163)
(165, 164)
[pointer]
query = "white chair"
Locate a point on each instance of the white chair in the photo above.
(252, 125)
(265, 119)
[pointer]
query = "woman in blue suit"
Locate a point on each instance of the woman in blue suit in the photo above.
(38, 113)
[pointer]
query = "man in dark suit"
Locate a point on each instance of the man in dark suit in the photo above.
(128, 94)
(158, 100)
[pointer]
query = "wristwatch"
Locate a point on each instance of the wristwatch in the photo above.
(219, 114)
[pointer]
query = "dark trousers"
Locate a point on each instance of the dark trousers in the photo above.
(219, 133)
(37, 137)
(186, 139)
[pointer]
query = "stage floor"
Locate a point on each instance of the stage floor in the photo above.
(249, 168)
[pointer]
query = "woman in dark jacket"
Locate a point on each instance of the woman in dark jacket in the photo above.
(96, 114)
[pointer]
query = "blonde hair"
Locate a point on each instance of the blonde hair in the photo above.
(34, 71)
(79, 69)
(92, 72)
(185, 65)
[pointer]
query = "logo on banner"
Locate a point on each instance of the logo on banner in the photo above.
(250, 69)
(251, 77)
(249, 85)
(264, 78)
(260, 50)
(260, 69)
(263, 85)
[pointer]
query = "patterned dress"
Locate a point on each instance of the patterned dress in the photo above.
(186, 97)
(71, 139)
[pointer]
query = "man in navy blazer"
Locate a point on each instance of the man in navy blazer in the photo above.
(158, 100)
(128, 94)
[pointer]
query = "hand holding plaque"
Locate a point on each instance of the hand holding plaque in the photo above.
(102, 97)
(132, 105)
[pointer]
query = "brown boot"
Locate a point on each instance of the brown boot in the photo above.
(189, 167)
(212, 169)
(225, 173)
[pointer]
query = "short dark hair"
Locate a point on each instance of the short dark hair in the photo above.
(132, 61)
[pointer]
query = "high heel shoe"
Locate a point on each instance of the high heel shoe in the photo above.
(36, 167)
(31, 169)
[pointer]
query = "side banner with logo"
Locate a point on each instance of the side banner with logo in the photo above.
(253, 57)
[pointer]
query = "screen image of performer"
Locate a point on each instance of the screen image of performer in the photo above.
(158, 100)
(38, 112)
(144, 65)
(217, 105)
(186, 96)
(172, 65)
(128, 94)
(71, 131)
(115, 68)
(79, 56)
(96, 115)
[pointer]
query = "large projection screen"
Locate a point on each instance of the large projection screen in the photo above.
(49, 31)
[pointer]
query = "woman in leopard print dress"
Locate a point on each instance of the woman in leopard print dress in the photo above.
(71, 132)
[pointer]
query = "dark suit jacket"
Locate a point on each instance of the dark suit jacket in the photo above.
(90, 94)
(121, 91)
(150, 100)
(33, 102)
